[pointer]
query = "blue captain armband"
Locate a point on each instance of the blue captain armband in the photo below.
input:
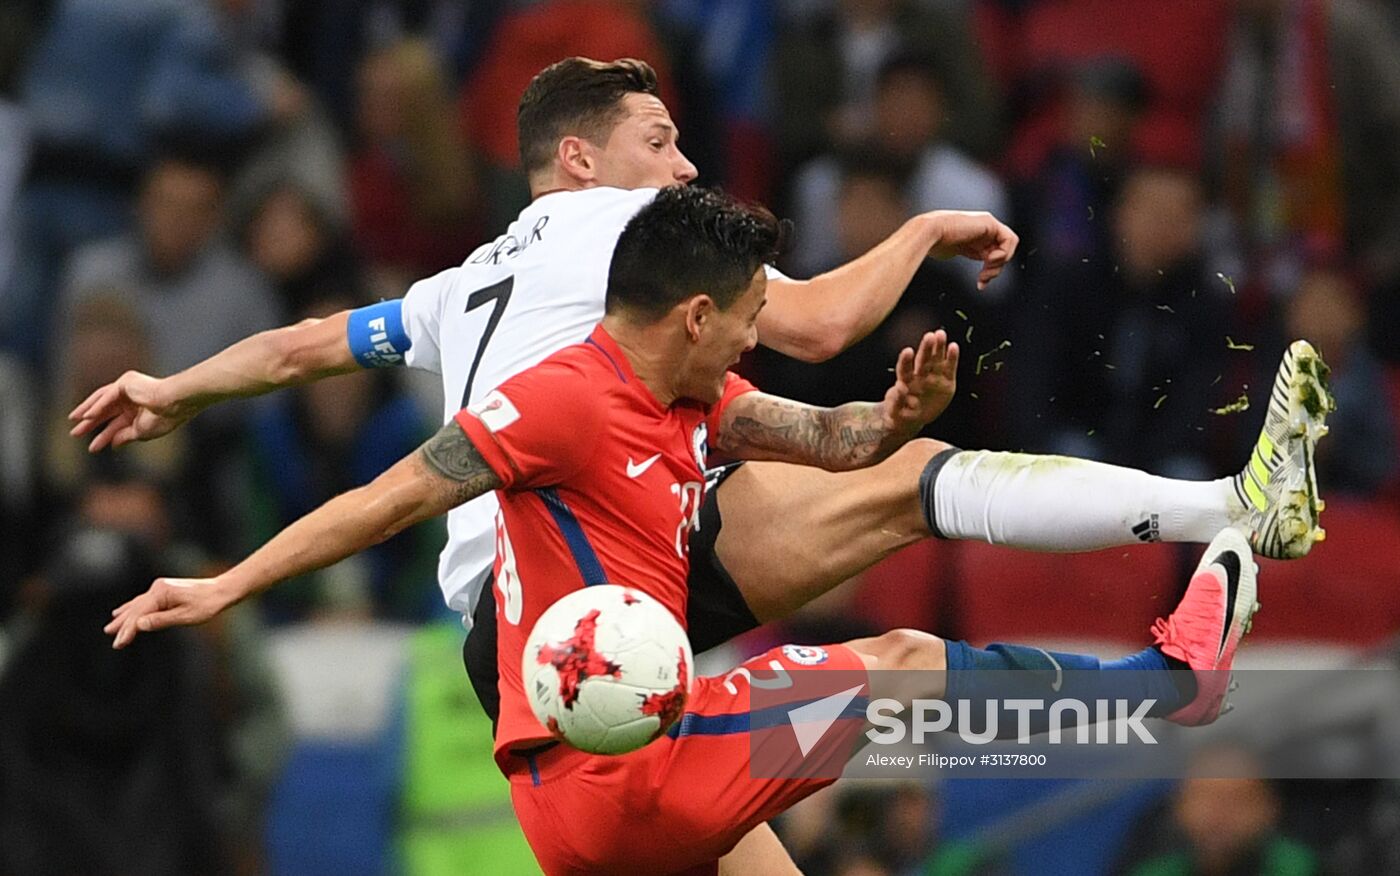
(376, 335)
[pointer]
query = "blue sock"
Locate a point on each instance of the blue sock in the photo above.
(1045, 675)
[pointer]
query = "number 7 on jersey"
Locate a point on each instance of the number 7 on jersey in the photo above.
(500, 294)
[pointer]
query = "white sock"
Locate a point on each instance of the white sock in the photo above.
(1057, 503)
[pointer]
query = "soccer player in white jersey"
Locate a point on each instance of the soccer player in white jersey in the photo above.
(596, 140)
(684, 292)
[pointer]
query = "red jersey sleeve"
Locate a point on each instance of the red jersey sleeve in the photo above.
(734, 386)
(538, 428)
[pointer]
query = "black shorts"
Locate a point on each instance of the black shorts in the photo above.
(715, 612)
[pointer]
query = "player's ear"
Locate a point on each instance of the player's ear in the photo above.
(699, 310)
(576, 158)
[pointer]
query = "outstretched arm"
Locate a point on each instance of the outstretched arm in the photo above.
(445, 472)
(815, 319)
(760, 426)
(138, 407)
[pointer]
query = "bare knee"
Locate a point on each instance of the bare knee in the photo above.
(919, 451)
(904, 649)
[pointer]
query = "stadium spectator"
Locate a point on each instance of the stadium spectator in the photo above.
(1365, 458)
(526, 41)
(304, 152)
(1123, 362)
(1227, 820)
(876, 828)
(103, 92)
(1179, 46)
(825, 71)
(719, 50)
(294, 240)
(321, 440)
(1063, 210)
(324, 42)
(95, 750)
(414, 184)
(195, 293)
(908, 124)
(1307, 145)
(300, 145)
(107, 337)
(871, 201)
(871, 197)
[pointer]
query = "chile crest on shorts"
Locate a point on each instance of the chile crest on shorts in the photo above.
(805, 655)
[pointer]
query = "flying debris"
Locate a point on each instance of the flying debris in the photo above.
(981, 360)
(1234, 407)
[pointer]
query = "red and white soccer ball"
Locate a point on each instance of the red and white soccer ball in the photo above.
(607, 669)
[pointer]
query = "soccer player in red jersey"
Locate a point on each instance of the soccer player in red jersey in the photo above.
(598, 456)
(595, 141)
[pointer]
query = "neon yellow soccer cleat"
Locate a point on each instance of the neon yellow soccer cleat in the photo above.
(1278, 488)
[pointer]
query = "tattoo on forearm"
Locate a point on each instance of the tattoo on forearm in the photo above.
(451, 454)
(848, 436)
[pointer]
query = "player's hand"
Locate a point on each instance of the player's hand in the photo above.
(978, 236)
(171, 602)
(925, 382)
(134, 407)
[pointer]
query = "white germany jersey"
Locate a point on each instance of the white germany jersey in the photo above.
(534, 290)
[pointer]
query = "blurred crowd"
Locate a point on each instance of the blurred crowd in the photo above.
(1194, 183)
(1225, 818)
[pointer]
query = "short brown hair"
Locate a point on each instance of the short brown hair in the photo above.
(690, 240)
(576, 96)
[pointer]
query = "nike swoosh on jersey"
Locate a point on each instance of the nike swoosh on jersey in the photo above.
(635, 471)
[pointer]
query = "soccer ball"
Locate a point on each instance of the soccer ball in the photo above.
(607, 669)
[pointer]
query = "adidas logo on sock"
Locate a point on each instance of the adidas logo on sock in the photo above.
(1148, 530)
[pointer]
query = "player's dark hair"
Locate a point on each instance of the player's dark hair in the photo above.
(689, 241)
(577, 96)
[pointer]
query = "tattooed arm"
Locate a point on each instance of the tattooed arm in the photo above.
(442, 474)
(854, 435)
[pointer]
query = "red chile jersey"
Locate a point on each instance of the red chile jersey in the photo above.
(600, 484)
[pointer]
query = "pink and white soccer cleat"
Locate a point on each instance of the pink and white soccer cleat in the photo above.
(1209, 622)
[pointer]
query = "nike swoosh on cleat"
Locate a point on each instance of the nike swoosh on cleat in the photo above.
(1059, 673)
(1230, 562)
(635, 470)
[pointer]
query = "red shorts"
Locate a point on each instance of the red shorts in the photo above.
(681, 803)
